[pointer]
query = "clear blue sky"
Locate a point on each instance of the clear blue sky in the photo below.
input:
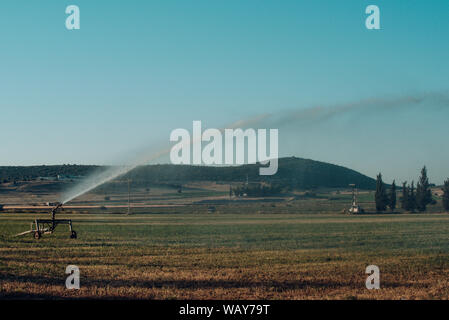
(138, 69)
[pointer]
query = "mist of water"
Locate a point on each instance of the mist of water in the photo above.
(316, 114)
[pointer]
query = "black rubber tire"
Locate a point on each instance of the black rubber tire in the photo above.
(37, 235)
(73, 234)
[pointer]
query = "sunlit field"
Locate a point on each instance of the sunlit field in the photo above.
(257, 253)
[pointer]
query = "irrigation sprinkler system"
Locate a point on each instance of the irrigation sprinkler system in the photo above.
(46, 226)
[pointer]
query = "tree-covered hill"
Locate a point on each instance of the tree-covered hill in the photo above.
(293, 172)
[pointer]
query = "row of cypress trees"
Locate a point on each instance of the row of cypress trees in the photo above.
(412, 198)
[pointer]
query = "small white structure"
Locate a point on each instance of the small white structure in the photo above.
(355, 208)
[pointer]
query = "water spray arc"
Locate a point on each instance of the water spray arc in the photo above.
(303, 116)
(99, 178)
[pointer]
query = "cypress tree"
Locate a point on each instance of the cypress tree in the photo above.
(412, 198)
(423, 192)
(381, 195)
(446, 195)
(392, 197)
(405, 194)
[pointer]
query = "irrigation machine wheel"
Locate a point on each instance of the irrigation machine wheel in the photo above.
(37, 235)
(73, 234)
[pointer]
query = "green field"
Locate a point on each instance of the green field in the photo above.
(194, 255)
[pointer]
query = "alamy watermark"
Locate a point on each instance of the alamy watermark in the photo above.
(73, 280)
(373, 280)
(189, 150)
(72, 22)
(372, 22)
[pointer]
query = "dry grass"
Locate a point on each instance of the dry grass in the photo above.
(250, 256)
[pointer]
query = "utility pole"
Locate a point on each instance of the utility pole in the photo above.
(230, 191)
(129, 197)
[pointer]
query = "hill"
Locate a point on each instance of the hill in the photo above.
(293, 172)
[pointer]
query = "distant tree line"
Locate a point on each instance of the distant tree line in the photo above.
(413, 198)
(15, 174)
(258, 190)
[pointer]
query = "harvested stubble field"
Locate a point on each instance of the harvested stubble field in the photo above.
(195, 255)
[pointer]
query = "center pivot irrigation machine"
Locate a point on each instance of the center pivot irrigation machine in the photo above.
(47, 226)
